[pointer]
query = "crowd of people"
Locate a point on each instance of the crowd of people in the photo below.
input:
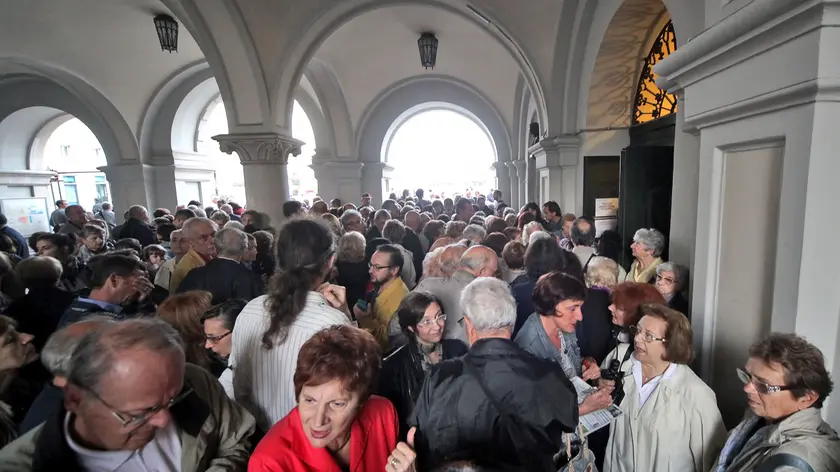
(454, 334)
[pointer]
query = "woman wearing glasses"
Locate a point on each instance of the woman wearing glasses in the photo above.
(671, 421)
(786, 383)
(421, 320)
(670, 282)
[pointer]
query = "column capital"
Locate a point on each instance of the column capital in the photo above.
(381, 166)
(520, 165)
(556, 151)
(260, 148)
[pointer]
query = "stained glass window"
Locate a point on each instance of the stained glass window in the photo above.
(651, 101)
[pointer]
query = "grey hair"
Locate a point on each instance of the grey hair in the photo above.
(351, 247)
(190, 224)
(58, 350)
(601, 272)
(679, 273)
(345, 217)
(231, 242)
(474, 233)
(221, 218)
(98, 350)
(393, 231)
(136, 211)
(487, 302)
(651, 239)
(537, 235)
(529, 229)
(235, 225)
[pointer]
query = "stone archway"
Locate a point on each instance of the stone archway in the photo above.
(395, 105)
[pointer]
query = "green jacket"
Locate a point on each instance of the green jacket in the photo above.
(214, 430)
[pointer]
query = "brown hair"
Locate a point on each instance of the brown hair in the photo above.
(803, 362)
(344, 353)
(514, 255)
(627, 296)
(496, 242)
(183, 311)
(678, 348)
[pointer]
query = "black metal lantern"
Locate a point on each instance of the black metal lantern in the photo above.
(428, 45)
(167, 31)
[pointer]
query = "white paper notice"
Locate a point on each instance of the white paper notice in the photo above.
(582, 388)
(598, 419)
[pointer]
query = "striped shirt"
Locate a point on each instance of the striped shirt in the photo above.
(262, 378)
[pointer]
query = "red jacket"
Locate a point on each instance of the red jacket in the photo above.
(287, 449)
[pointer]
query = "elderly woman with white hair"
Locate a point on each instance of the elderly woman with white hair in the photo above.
(474, 234)
(670, 282)
(467, 405)
(648, 245)
(529, 229)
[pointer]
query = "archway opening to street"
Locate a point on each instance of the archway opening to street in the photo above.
(70, 149)
(440, 150)
(230, 181)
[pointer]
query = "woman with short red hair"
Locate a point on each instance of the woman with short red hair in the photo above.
(337, 425)
(627, 297)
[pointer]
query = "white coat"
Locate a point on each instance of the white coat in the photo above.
(678, 429)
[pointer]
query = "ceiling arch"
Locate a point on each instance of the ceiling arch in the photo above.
(21, 146)
(385, 112)
(25, 83)
(403, 30)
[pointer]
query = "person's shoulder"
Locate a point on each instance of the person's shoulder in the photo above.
(453, 348)
(276, 452)
(693, 390)
(377, 407)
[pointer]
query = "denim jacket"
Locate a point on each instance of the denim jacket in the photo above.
(533, 338)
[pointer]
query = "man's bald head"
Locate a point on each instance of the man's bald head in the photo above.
(481, 261)
(450, 259)
(138, 212)
(60, 346)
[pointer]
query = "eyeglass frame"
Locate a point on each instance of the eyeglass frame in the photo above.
(139, 420)
(215, 339)
(635, 330)
(427, 322)
(379, 267)
(758, 384)
(667, 281)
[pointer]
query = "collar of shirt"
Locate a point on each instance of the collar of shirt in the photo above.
(102, 304)
(100, 460)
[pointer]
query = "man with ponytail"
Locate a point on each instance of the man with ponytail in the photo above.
(272, 328)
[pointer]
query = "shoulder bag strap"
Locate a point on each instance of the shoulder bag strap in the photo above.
(784, 460)
(585, 266)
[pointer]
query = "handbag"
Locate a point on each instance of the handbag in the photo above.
(584, 460)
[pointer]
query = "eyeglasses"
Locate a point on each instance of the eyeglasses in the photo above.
(217, 338)
(647, 336)
(668, 281)
(379, 267)
(425, 322)
(137, 420)
(760, 387)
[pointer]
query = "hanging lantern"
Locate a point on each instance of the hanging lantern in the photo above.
(167, 31)
(428, 45)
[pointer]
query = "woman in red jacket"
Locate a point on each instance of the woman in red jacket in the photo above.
(337, 425)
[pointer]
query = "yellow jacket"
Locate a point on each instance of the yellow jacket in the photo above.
(386, 304)
(190, 261)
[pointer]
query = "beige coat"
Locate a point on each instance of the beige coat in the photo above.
(449, 291)
(803, 434)
(679, 428)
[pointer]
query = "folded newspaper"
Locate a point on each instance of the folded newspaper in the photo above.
(597, 419)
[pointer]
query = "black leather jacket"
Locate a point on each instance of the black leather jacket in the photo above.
(520, 428)
(402, 376)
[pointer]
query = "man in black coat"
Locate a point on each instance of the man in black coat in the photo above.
(498, 405)
(137, 227)
(225, 276)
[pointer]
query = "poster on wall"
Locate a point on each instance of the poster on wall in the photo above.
(606, 215)
(26, 215)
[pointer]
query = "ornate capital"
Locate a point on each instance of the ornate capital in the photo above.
(260, 148)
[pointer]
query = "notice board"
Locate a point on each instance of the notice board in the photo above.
(26, 215)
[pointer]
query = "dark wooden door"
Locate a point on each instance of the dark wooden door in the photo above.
(600, 180)
(647, 176)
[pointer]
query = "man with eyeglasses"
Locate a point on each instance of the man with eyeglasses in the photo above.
(200, 234)
(388, 292)
(132, 403)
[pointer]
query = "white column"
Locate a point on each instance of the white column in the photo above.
(131, 184)
(684, 193)
(264, 157)
(374, 177)
(556, 168)
(338, 179)
(503, 182)
(512, 197)
(522, 176)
